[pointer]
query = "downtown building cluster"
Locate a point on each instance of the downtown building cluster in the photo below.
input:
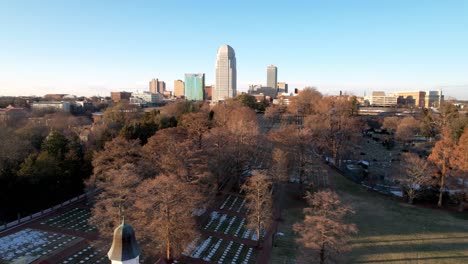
(193, 87)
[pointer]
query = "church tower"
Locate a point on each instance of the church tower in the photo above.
(124, 249)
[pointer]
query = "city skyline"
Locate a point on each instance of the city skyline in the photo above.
(354, 47)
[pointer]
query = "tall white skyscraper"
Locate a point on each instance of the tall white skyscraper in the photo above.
(272, 77)
(226, 74)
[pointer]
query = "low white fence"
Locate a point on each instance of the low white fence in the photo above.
(34, 216)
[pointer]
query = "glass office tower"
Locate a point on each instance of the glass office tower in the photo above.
(195, 86)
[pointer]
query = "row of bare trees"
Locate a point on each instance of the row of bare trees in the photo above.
(330, 128)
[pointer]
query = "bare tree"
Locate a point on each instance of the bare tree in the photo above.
(299, 148)
(166, 221)
(273, 116)
(279, 171)
(440, 157)
(118, 169)
(391, 123)
(407, 128)
(220, 155)
(259, 200)
(333, 127)
(13, 149)
(324, 229)
(196, 124)
(239, 129)
(171, 151)
(116, 199)
(415, 175)
(120, 114)
(116, 154)
(306, 101)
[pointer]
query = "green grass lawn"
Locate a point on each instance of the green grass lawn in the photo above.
(389, 231)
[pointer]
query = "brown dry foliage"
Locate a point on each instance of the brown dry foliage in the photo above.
(440, 157)
(391, 123)
(197, 124)
(460, 155)
(165, 218)
(260, 201)
(333, 128)
(232, 145)
(299, 147)
(324, 229)
(116, 199)
(305, 102)
(116, 154)
(460, 163)
(407, 128)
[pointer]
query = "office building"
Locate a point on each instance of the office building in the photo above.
(195, 86)
(120, 96)
(209, 92)
(282, 87)
(153, 86)
(381, 99)
(179, 88)
(433, 99)
(253, 88)
(267, 91)
(63, 106)
(167, 94)
(146, 99)
(272, 77)
(415, 99)
(226, 74)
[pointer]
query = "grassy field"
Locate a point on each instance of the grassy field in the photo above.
(389, 231)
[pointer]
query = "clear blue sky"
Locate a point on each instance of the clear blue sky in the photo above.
(93, 47)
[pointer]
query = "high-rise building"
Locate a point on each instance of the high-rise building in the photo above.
(161, 87)
(194, 86)
(226, 74)
(179, 88)
(153, 86)
(272, 76)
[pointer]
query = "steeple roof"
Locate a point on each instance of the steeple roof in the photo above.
(124, 246)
